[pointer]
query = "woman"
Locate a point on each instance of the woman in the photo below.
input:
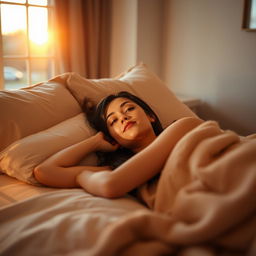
(128, 127)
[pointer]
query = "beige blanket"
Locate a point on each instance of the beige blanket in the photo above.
(203, 204)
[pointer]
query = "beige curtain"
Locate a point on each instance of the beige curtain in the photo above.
(83, 32)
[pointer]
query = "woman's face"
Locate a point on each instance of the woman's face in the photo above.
(128, 123)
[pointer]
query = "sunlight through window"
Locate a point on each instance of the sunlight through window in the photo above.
(38, 19)
(27, 52)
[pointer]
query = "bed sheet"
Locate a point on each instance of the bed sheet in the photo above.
(65, 221)
(204, 204)
(13, 190)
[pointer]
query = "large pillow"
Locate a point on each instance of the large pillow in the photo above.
(20, 158)
(33, 109)
(138, 80)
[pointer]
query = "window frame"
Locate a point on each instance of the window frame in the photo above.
(28, 58)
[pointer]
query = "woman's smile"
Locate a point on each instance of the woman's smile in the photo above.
(128, 125)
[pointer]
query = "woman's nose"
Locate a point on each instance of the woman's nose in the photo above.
(125, 118)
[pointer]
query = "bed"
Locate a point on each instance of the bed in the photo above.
(204, 202)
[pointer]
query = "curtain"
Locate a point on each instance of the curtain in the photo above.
(83, 33)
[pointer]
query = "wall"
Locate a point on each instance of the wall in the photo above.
(136, 34)
(150, 31)
(197, 47)
(207, 55)
(124, 35)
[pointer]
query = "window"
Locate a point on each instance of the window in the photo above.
(26, 52)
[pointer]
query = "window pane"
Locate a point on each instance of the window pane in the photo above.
(41, 70)
(13, 30)
(38, 31)
(16, 1)
(38, 2)
(253, 16)
(15, 75)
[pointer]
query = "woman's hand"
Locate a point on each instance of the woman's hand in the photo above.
(103, 144)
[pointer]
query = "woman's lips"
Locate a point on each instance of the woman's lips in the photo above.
(128, 126)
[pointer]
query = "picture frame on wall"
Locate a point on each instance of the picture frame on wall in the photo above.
(249, 15)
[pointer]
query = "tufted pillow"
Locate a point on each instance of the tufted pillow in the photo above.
(33, 109)
(20, 158)
(138, 80)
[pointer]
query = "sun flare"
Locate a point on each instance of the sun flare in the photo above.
(37, 22)
(38, 25)
(38, 38)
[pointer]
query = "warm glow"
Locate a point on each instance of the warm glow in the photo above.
(38, 25)
(14, 19)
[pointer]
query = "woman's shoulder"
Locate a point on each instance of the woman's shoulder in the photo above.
(188, 120)
(183, 125)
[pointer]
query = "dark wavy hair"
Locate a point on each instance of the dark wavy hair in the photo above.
(96, 115)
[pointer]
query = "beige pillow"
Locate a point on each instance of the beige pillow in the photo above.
(21, 157)
(138, 80)
(33, 109)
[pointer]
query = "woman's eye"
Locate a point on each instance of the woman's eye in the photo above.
(130, 109)
(113, 121)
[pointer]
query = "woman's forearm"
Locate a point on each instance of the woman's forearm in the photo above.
(61, 169)
(141, 167)
(73, 154)
(96, 183)
(63, 177)
(150, 161)
(136, 171)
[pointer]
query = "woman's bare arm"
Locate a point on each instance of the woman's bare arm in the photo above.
(140, 168)
(61, 169)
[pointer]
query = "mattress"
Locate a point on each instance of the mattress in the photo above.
(66, 221)
(13, 190)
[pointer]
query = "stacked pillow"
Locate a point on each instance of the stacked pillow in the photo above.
(138, 80)
(39, 121)
(33, 109)
(22, 156)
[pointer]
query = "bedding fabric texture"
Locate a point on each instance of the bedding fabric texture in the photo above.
(138, 80)
(13, 190)
(203, 204)
(55, 105)
(20, 158)
(33, 109)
